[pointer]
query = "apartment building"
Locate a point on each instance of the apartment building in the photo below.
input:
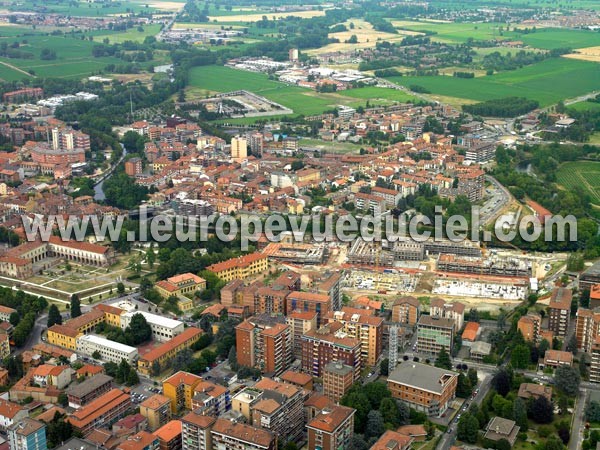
(195, 431)
(163, 328)
(367, 329)
(211, 399)
(406, 310)
(226, 434)
(163, 353)
(63, 336)
(10, 413)
(112, 314)
(371, 203)
(556, 358)
(179, 388)
(425, 388)
(264, 341)
(391, 196)
(329, 343)
(300, 323)
(329, 284)
(105, 409)
(170, 435)
(83, 393)
(279, 409)
(587, 328)
(530, 326)
(454, 311)
(157, 411)
(270, 300)
(309, 302)
(27, 434)
(560, 311)
(241, 268)
(595, 363)
(435, 333)
(337, 380)
(5, 313)
(90, 344)
(331, 429)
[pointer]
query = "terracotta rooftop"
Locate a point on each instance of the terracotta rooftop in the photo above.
(178, 340)
(243, 432)
(182, 378)
(199, 420)
(155, 401)
(169, 431)
(297, 378)
(330, 420)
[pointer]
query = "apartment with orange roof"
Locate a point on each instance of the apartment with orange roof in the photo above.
(559, 313)
(367, 329)
(530, 326)
(406, 310)
(179, 388)
(264, 342)
(157, 411)
(159, 356)
(392, 440)
(107, 408)
(211, 399)
(309, 302)
(332, 429)
(10, 413)
(140, 441)
(228, 434)
(169, 435)
(300, 323)
(242, 267)
(470, 333)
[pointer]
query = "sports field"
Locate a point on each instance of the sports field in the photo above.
(584, 174)
(211, 79)
(548, 82)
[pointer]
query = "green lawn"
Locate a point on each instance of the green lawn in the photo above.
(548, 82)
(585, 174)
(300, 100)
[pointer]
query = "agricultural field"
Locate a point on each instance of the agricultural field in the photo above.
(83, 8)
(130, 35)
(73, 58)
(550, 38)
(270, 15)
(208, 80)
(585, 106)
(456, 32)
(547, 82)
(584, 174)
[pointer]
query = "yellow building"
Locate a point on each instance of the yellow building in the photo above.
(185, 304)
(180, 285)
(179, 388)
(308, 175)
(241, 268)
(239, 148)
(157, 409)
(63, 336)
(86, 322)
(112, 314)
(165, 352)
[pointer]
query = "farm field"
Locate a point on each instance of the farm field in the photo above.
(585, 106)
(455, 32)
(270, 15)
(550, 38)
(211, 79)
(547, 82)
(130, 35)
(83, 8)
(584, 174)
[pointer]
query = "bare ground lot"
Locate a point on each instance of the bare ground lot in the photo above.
(586, 54)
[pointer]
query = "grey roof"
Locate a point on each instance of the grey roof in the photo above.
(338, 368)
(481, 347)
(77, 444)
(421, 376)
(89, 385)
(436, 322)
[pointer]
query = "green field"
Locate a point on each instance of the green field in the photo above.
(548, 82)
(584, 174)
(585, 106)
(130, 35)
(553, 38)
(207, 79)
(457, 32)
(83, 8)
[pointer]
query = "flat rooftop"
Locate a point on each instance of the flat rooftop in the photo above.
(99, 340)
(421, 376)
(155, 319)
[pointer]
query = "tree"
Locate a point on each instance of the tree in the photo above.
(464, 389)
(443, 360)
(232, 358)
(567, 379)
(357, 442)
(375, 425)
(467, 429)
(544, 345)
(132, 378)
(384, 367)
(503, 444)
(150, 257)
(120, 287)
(14, 366)
(156, 369)
(553, 443)
(58, 430)
(138, 331)
(502, 381)
(63, 399)
(360, 402)
(403, 412)
(96, 355)
(54, 317)
(520, 357)
(75, 306)
(472, 375)
(592, 412)
(572, 344)
(520, 413)
(14, 319)
(540, 410)
(376, 392)
(389, 412)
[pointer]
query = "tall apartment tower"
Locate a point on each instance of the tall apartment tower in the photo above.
(239, 148)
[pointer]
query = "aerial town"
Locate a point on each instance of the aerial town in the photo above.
(141, 143)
